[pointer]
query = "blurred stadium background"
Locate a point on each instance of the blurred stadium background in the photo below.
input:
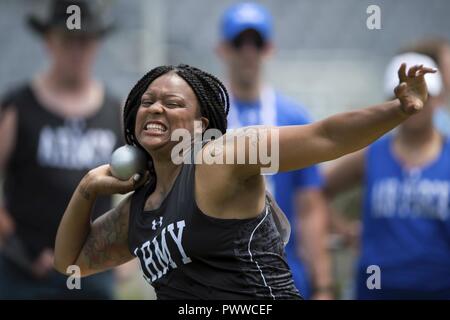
(325, 57)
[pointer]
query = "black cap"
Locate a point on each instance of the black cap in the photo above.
(96, 18)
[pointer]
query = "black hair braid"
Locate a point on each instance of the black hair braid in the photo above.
(211, 93)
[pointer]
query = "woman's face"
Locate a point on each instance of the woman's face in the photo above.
(169, 103)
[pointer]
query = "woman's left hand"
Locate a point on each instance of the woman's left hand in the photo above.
(412, 90)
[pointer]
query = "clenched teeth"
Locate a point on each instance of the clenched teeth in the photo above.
(155, 126)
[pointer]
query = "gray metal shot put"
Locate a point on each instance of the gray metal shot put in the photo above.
(127, 161)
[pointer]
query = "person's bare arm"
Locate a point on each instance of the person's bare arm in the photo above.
(8, 127)
(344, 174)
(313, 224)
(348, 132)
(340, 176)
(102, 244)
(304, 145)
(296, 147)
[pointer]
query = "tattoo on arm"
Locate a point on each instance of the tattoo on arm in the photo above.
(106, 245)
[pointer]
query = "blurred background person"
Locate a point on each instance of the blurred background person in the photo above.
(246, 43)
(406, 208)
(54, 128)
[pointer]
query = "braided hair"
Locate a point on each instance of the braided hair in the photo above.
(210, 92)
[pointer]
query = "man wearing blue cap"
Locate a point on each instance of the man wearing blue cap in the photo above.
(246, 31)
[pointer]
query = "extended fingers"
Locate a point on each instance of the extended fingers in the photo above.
(413, 70)
(425, 70)
(402, 73)
(417, 71)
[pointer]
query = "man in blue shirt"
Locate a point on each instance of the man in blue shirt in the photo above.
(246, 43)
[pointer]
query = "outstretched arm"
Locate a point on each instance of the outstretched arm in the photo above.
(301, 146)
(351, 131)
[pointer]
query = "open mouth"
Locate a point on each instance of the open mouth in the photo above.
(155, 127)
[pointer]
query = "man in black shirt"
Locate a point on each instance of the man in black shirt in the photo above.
(54, 129)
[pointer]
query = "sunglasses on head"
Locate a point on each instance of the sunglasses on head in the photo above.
(253, 39)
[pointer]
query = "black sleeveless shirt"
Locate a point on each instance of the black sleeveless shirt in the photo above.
(186, 254)
(50, 157)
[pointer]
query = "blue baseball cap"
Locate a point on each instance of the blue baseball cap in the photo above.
(244, 16)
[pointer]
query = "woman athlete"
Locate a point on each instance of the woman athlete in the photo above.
(202, 230)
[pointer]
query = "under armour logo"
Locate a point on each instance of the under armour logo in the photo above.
(156, 223)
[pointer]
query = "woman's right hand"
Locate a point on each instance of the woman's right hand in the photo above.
(100, 181)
